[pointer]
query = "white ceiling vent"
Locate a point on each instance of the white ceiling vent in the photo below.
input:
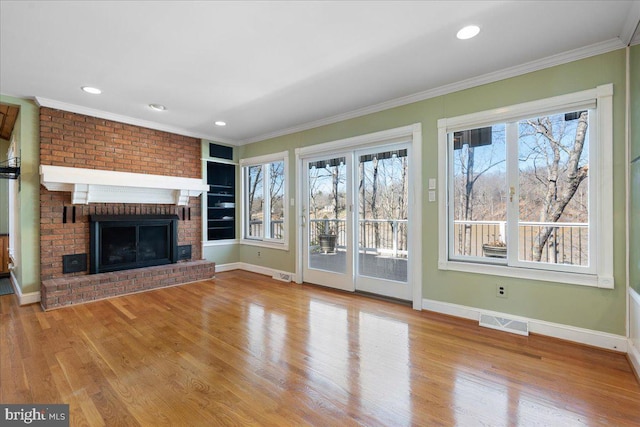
(504, 324)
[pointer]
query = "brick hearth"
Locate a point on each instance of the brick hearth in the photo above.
(61, 292)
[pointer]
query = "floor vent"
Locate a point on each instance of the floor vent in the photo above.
(503, 324)
(285, 277)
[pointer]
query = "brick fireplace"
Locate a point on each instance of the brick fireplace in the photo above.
(84, 142)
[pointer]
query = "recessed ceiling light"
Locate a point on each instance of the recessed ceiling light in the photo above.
(468, 32)
(91, 90)
(157, 107)
(220, 123)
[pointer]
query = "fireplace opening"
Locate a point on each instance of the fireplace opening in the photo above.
(123, 242)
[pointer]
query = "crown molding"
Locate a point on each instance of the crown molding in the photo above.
(73, 108)
(551, 61)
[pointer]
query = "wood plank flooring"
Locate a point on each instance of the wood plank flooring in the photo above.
(244, 349)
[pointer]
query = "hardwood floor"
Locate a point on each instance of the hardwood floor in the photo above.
(244, 349)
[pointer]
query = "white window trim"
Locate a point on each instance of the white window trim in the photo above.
(261, 241)
(601, 155)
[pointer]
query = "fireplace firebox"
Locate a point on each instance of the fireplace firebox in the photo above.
(123, 242)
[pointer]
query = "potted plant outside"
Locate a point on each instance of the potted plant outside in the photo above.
(327, 243)
(495, 249)
(327, 237)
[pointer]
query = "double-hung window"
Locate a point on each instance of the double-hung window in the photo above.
(528, 190)
(264, 196)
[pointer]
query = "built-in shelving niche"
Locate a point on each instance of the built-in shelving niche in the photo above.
(221, 195)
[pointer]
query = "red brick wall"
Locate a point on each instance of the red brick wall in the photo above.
(61, 292)
(76, 140)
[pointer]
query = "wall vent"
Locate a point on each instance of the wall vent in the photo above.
(284, 277)
(504, 324)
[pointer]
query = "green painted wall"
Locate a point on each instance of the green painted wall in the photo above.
(585, 307)
(220, 253)
(634, 213)
(27, 134)
(4, 191)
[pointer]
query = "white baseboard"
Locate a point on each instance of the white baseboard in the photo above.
(633, 350)
(228, 267)
(556, 330)
(254, 269)
(633, 354)
(23, 299)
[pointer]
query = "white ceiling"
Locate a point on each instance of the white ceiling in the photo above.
(268, 68)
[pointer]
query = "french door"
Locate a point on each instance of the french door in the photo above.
(327, 221)
(382, 216)
(355, 218)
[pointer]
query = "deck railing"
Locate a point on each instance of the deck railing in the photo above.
(276, 228)
(568, 243)
(379, 236)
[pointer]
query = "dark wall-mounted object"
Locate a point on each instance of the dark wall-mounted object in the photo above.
(184, 252)
(65, 218)
(10, 169)
(473, 137)
(221, 151)
(573, 116)
(75, 263)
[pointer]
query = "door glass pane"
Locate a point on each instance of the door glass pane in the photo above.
(255, 202)
(276, 202)
(553, 163)
(327, 184)
(480, 193)
(382, 215)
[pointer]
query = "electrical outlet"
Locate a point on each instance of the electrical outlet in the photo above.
(258, 254)
(501, 291)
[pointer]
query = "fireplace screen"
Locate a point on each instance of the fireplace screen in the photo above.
(121, 242)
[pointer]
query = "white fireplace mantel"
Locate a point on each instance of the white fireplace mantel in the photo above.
(100, 186)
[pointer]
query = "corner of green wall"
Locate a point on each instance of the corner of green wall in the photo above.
(27, 126)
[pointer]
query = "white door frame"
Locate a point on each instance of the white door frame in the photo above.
(413, 133)
(363, 282)
(343, 281)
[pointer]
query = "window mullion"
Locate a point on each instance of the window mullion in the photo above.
(513, 193)
(450, 196)
(266, 202)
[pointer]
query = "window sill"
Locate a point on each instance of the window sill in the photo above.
(591, 280)
(265, 244)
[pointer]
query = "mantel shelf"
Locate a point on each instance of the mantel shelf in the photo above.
(100, 186)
